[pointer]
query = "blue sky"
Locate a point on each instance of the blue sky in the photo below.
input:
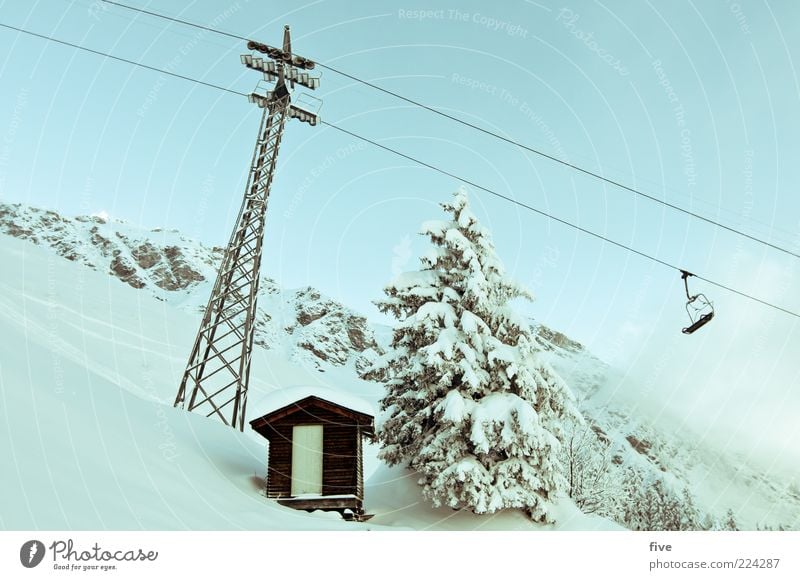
(693, 102)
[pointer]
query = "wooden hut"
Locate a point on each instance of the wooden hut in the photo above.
(315, 459)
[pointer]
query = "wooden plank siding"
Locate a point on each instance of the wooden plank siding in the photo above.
(360, 462)
(342, 471)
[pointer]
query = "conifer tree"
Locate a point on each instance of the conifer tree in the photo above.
(468, 402)
(690, 515)
(730, 522)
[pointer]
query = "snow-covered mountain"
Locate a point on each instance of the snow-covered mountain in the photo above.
(309, 327)
(134, 333)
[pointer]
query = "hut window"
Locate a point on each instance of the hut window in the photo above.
(306, 459)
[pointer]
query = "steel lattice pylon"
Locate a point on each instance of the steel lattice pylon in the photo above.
(218, 372)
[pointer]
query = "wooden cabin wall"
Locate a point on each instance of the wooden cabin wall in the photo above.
(360, 462)
(279, 468)
(341, 471)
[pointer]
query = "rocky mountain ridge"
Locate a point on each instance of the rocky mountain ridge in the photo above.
(181, 271)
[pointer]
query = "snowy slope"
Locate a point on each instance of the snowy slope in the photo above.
(393, 495)
(88, 371)
(72, 316)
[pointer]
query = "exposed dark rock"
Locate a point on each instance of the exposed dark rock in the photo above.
(146, 255)
(101, 242)
(357, 331)
(178, 274)
(314, 350)
(559, 339)
(123, 270)
(305, 318)
(641, 446)
(23, 233)
(601, 435)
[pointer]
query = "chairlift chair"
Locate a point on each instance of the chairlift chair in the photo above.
(699, 308)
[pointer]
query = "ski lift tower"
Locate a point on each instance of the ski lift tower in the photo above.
(218, 372)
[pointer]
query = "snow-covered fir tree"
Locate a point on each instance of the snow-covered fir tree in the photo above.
(730, 522)
(469, 404)
(690, 515)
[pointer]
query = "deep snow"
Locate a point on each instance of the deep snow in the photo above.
(88, 372)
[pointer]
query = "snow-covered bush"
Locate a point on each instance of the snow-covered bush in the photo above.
(468, 403)
(648, 503)
(593, 480)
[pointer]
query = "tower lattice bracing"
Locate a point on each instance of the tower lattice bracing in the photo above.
(216, 378)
